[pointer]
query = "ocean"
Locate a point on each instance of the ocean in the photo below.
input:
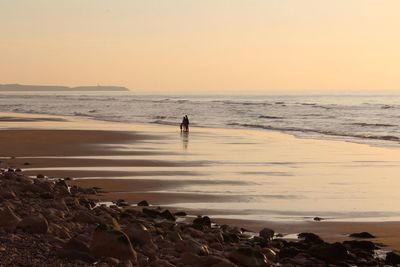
(245, 174)
(371, 118)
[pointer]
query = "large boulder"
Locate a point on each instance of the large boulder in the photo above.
(7, 193)
(86, 216)
(360, 244)
(267, 233)
(62, 188)
(192, 246)
(393, 258)
(36, 224)
(139, 234)
(168, 215)
(362, 235)
(153, 213)
(248, 257)
(332, 253)
(75, 249)
(108, 242)
(204, 221)
(8, 219)
(310, 238)
(143, 203)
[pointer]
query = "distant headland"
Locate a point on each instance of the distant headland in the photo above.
(37, 88)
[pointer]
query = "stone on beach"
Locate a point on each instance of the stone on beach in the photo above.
(152, 212)
(139, 234)
(168, 215)
(248, 257)
(267, 233)
(68, 229)
(393, 258)
(332, 253)
(143, 203)
(202, 221)
(107, 242)
(34, 224)
(192, 246)
(310, 238)
(362, 235)
(8, 219)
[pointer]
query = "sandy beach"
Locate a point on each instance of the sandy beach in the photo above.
(158, 164)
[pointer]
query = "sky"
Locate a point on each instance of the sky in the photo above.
(203, 45)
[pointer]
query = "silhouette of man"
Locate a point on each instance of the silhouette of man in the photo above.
(186, 122)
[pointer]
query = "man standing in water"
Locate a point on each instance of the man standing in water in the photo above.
(185, 124)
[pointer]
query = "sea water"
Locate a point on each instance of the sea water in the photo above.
(372, 118)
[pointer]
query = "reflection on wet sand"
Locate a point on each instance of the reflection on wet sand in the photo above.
(185, 139)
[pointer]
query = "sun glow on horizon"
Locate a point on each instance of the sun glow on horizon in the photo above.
(220, 45)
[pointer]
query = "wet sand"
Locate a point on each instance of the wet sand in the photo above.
(137, 162)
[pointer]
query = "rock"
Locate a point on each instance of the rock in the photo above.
(310, 238)
(189, 259)
(109, 220)
(139, 234)
(40, 176)
(76, 244)
(47, 195)
(267, 233)
(73, 254)
(58, 204)
(202, 221)
(59, 231)
(121, 203)
(393, 258)
(161, 263)
(47, 186)
(143, 203)
(248, 257)
(332, 253)
(34, 188)
(194, 232)
(151, 212)
(34, 224)
(192, 246)
(168, 215)
(289, 252)
(180, 214)
(224, 264)
(7, 193)
(230, 237)
(62, 188)
(318, 219)
(90, 191)
(107, 242)
(360, 244)
(85, 216)
(110, 262)
(197, 247)
(8, 219)
(174, 236)
(362, 235)
(211, 260)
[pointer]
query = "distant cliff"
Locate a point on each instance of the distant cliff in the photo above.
(37, 88)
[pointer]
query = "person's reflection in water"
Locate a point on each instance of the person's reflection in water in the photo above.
(185, 139)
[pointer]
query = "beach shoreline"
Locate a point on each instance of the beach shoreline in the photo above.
(60, 144)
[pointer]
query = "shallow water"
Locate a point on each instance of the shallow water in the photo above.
(265, 175)
(371, 118)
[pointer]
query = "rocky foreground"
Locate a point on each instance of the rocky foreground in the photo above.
(46, 222)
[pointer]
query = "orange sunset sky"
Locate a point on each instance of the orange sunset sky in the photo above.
(207, 45)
